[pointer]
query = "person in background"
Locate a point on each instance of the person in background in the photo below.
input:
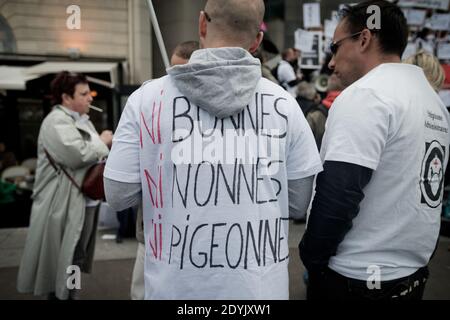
(63, 221)
(265, 70)
(375, 218)
(182, 52)
(446, 67)
(318, 114)
(286, 73)
(307, 96)
(430, 66)
(426, 40)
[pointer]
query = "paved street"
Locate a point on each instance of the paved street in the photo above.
(114, 262)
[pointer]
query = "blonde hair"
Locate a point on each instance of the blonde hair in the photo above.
(431, 68)
(306, 90)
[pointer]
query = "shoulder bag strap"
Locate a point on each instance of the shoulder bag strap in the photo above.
(55, 166)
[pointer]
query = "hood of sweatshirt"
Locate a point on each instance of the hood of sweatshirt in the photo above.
(221, 81)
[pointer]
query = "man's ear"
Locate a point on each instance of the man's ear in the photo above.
(202, 26)
(366, 40)
(256, 43)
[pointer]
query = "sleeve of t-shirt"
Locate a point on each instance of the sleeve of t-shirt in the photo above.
(123, 160)
(303, 158)
(286, 73)
(357, 129)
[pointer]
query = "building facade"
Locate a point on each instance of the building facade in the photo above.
(89, 30)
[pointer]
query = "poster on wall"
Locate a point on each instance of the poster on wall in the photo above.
(304, 40)
(311, 15)
(415, 17)
(443, 51)
(313, 58)
(429, 4)
(439, 21)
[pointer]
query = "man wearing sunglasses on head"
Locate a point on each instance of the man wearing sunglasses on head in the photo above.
(375, 219)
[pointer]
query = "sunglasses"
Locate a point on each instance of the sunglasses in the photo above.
(208, 18)
(334, 46)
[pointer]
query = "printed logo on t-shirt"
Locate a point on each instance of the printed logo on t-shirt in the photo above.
(432, 174)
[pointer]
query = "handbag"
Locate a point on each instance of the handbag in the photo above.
(92, 186)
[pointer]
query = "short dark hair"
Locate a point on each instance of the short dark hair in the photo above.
(285, 53)
(65, 82)
(185, 49)
(393, 35)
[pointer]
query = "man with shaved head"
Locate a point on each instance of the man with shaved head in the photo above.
(214, 150)
(231, 22)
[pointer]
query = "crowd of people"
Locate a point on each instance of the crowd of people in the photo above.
(222, 152)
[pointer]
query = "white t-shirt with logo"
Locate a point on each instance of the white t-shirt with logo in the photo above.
(215, 192)
(393, 122)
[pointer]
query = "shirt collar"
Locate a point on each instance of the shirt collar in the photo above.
(75, 115)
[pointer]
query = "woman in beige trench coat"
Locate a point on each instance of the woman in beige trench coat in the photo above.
(59, 217)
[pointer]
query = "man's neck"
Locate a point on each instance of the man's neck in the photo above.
(376, 61)
(392, 58)
(221, 43)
